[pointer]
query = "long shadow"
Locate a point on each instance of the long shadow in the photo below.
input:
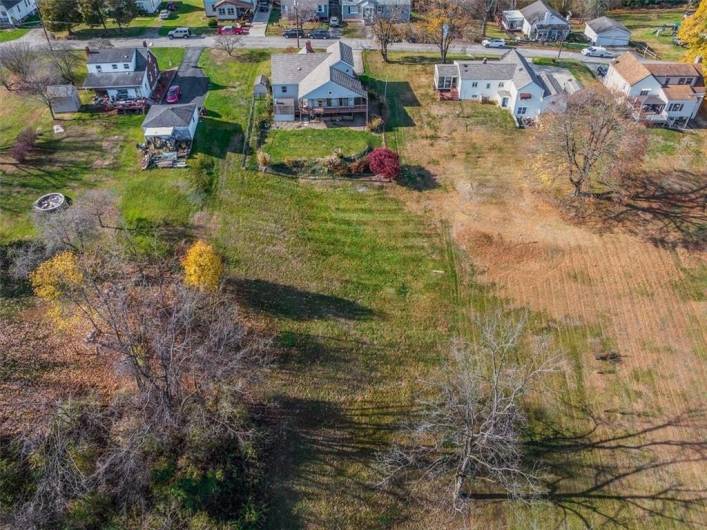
(216, 137)
(603, 476)
(392, 98)
(667, 210)
(293, 303)
(417, 178)
(322, 435)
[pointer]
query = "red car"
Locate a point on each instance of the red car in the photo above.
(232, 30)
(173, 94)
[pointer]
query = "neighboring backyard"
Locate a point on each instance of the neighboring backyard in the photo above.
(645, 26)
(365, 286)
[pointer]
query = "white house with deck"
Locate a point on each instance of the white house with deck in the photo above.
(662, 93)
(311, 85)
(511, 82)
(121, 73)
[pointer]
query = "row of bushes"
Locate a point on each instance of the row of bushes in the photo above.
(380, 162)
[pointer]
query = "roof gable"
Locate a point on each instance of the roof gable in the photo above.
(602, 24)
(537, 11)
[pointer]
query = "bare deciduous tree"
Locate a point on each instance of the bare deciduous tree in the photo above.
(473, 429)
(18, 59)
(66, 62)
(228, 43)
(594, 138)
(385, 29)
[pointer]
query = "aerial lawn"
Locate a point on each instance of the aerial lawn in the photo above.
(578, 69)
(645, 24)
(168, 58)
(7, 35)
(318, 143)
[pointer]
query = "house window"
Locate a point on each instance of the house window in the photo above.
(221, 11)
(675, 107)
(645, 91)
(328, 102)
(447, 82)
(115, 66)
(682, 81)
(488, 85)
(284, 90)
(353, 10)
(500, 84)
(126, 66)
(320, 8)
(231, 11)
(122, 93)
(521, 110)
(98, 68)
(474, 84)
(343, 102)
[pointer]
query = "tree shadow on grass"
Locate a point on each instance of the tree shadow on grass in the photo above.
(666, 209)
(417, 178)
(251, 56)
(293, 303)
(217, 138)
(318, 450)
(607, 476)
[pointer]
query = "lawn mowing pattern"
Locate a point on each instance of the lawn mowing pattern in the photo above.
(318, 143)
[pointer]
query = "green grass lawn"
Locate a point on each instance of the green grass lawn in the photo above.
(189, 13)
(168, 58)
(7, 35)
(643, 24)
(317, 143)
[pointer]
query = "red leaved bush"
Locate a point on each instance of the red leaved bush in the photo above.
(385, 163)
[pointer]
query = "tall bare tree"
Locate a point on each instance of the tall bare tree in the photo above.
(228, 43)
(595, 139)
(473, 427)
(385, 29)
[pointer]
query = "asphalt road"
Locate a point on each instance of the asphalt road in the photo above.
(191, 79)
(36, 38)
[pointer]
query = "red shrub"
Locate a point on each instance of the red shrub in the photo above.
(385, 163)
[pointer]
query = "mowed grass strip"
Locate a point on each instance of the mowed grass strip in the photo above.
(318, 143)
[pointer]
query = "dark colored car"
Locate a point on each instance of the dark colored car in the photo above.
(293, 33)
(319, 34)
(173, 94)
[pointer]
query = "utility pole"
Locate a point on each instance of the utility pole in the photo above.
(295, 4)
(44, 28)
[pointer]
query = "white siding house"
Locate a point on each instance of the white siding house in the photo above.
(148, 6)
(312, 85)
(122, 73)
(604, 31)
(658, 92)
(541, 23)
(512, 83)
(12, 12)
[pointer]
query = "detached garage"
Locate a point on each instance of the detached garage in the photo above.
(604, 31)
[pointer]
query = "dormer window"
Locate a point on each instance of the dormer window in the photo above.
(682, 81)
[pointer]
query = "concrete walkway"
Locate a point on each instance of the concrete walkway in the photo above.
(260, 23)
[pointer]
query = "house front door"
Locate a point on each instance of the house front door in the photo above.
(504, 102)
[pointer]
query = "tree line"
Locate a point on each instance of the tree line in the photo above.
(63, 15)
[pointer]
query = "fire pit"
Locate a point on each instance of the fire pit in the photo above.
(51, 202)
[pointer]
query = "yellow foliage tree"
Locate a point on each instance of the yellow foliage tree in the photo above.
(693, 32)
(203, 267)
(56, 276)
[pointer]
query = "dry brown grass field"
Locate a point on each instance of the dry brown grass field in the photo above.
(628, 280)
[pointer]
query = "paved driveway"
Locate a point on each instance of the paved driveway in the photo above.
(191, 79)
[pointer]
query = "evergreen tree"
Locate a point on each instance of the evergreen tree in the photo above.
(93, 12)
(122, 11)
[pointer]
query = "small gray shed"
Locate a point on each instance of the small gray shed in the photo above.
(261, 86)
(63, 98)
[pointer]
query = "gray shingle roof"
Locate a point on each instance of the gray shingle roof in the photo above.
(605, 23)
(491, 71)
(114, 80)
(346, 81)
(523, 73)
(290, 69)
(447, 69)
(111, 55)
(169, 116)
(536, 11)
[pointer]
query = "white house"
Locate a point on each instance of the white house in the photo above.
(228, 9)
(541, 23)
(173, 122)
(659, 92)
(148, 6)
(12, 12)
(512, 20)
(604, 31)
(511, 82)
(121, 73)
(351, 10)
(310, 85)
